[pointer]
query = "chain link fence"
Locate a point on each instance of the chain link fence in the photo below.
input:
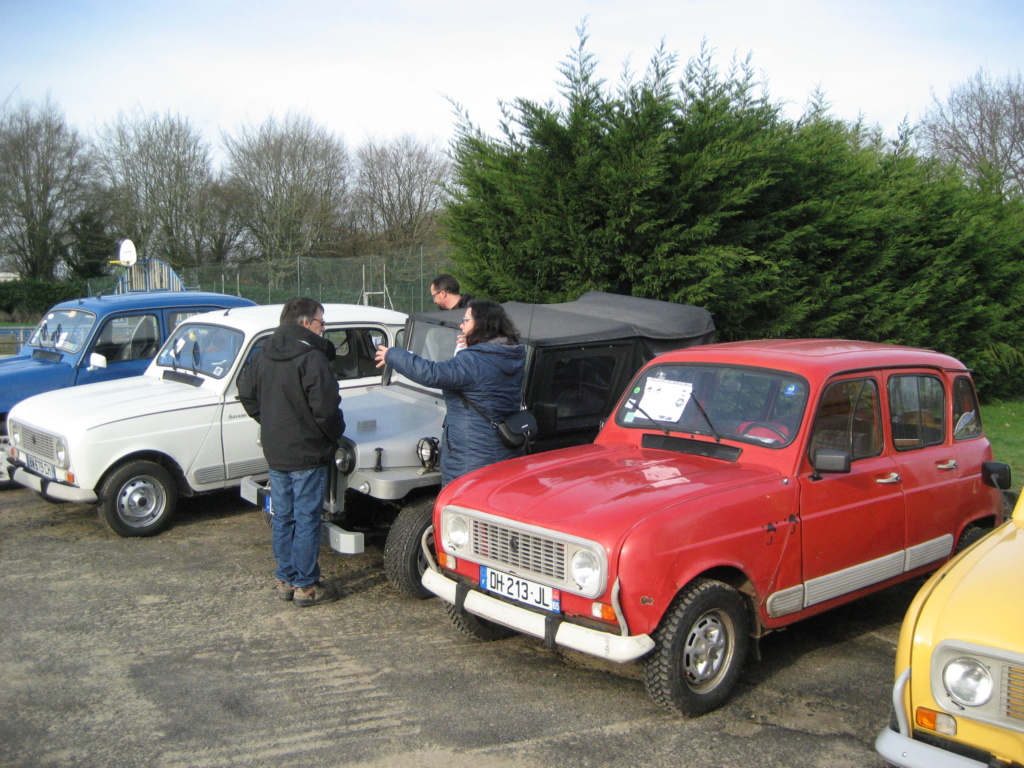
(397, 280)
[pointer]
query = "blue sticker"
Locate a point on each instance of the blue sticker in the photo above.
(791, 390)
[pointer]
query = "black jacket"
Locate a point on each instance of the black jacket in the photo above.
(290, 389)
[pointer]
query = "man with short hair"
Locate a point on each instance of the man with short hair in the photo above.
(445, 293)
(290, 389)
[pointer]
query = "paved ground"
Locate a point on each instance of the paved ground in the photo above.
(172, 651)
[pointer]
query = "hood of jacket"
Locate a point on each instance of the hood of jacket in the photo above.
(291, 340)
(506, 356)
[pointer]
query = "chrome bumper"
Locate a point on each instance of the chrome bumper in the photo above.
(590, 641)
(51, 490)
(899, 749)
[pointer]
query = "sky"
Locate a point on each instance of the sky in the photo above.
(381, 69)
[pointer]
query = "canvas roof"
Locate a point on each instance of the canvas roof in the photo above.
(597, 316)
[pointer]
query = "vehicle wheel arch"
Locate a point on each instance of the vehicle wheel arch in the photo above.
(731, 576)
(165, 461)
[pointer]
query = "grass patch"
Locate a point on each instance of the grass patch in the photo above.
(1004, 426)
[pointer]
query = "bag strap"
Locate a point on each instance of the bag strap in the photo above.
(470, 404)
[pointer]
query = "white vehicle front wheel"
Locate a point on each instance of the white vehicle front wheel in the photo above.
(138, 499)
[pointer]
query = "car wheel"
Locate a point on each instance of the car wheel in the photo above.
(475, 627)
(138, 499)
(971, 534)
(700, 647)
(404, 560)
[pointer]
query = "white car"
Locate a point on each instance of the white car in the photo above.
(134, 445)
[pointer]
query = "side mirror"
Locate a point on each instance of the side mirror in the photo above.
(996, 474)
(834, 462)
(96, 361)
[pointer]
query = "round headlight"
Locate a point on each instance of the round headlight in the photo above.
(968, 681)
(458, 532)
(61, 452)
(427, 450)
(585, 568)
(345, 458)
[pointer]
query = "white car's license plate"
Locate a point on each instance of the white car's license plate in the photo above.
(521, 590)
(41, 467)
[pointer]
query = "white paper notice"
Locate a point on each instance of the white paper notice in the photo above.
(664, 400)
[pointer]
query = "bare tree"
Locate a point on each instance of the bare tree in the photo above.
(292, 182)
(158, 170)
(46, 173)
(400, 190)
(980, 127)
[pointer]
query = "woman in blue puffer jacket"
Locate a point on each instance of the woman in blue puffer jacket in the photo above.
(488, 372)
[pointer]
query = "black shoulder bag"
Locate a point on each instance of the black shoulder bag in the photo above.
(516, 429)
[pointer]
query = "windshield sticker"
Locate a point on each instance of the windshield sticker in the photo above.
(664, 399)
(791, 390)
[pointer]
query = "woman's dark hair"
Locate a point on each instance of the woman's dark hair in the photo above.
(490, 322)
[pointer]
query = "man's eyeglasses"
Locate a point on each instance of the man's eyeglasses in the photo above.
(434, 294)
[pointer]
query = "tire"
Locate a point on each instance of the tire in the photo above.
(138, 499)
(404, 561)
(700, 647)
(475, 627)
(971, 534)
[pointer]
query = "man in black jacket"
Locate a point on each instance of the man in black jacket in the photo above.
(290, 389)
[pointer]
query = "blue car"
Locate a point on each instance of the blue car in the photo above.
(97, 339)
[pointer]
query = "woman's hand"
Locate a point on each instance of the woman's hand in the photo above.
(382, 355)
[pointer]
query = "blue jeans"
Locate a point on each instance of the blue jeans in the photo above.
(298, 499)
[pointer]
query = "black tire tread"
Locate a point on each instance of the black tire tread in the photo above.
(659, 669)
(475, 627)
(402, 548)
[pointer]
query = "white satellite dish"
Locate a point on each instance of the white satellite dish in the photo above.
(126, 255)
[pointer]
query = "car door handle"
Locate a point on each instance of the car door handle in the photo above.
(892, 477)
(951, 464)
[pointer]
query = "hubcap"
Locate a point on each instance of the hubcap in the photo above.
(708, 650)
(140, 501)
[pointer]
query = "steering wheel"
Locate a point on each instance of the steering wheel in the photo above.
(765, 425)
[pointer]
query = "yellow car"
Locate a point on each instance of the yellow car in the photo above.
(959, 692)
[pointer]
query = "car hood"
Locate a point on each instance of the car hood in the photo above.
(390, 417)
(79, 408)
(23, 375)
(970, 602)
(602, 482)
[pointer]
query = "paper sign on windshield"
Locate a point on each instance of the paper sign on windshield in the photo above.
(664, 399)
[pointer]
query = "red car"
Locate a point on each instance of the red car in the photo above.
(736, 489)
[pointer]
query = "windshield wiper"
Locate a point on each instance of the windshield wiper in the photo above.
(714, 432)
(653, 420)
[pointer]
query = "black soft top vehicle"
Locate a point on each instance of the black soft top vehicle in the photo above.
(580, 356)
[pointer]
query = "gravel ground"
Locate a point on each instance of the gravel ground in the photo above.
(172, 651)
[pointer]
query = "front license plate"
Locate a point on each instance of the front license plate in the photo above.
(521, 590)
(41, 467)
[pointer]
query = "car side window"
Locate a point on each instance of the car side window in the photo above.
(580, 386)
(176, 317)
(848, 420)
(917, 405)
(966, 414)
(354, 348)
(129, 337)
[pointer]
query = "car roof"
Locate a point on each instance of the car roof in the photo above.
(816, 358)
(599, 316)
(152, 299)
(257, 318)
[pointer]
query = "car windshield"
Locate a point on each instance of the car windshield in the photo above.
(749, 404)
(63, 329)
(209, 350)
(432, 342)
